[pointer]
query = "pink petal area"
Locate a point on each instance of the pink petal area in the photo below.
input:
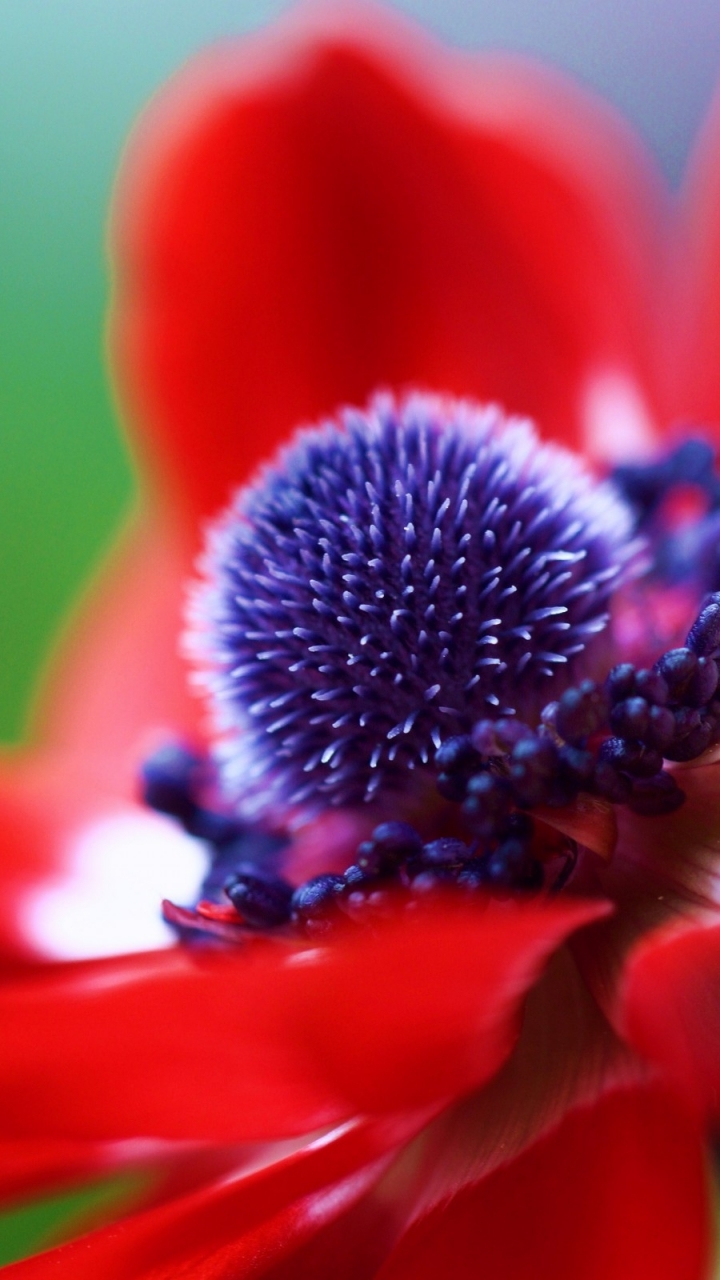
(339, 204)
(617, 1190)
(670, 1007)
(270, 1042)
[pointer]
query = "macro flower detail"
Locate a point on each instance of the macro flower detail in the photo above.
(387, 583)
(486, 1082)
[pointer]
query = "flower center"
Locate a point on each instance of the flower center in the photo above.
(408, 607)
(389, 581)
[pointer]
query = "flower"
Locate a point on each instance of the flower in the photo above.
(298, 223)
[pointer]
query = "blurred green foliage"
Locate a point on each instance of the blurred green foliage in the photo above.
(73, 75)
(29, 1228)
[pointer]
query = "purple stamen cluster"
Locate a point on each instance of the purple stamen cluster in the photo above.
(610, 740)
(389, 582)
(393, 859)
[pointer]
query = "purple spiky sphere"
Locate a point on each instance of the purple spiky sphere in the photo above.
(388, 580)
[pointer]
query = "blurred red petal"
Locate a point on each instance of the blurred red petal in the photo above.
(117, 675)
(32, 1166)
(250, 1224)
(669, 1007)
(270, 1042)
(334, 206)
(617, 1190)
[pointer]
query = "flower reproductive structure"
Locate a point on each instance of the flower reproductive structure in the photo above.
(413, 611)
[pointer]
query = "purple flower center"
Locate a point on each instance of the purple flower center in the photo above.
(389, 581)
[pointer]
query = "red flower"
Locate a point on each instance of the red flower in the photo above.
(324, 211)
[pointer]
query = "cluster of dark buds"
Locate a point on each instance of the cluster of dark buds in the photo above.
(393, 859)
(394, 864)
(610, 740)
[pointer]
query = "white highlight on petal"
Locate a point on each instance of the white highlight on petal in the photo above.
(108, 900)
(617, 421)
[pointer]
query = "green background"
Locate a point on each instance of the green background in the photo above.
(73, 75)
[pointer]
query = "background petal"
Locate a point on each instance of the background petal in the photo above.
(339, 204)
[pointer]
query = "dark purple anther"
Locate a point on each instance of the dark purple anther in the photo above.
(390, 844)
(631, 757)
(703, 683)
(651, 686)
(498, 737)
(652, 797)
(610, 783)
(262, 902)
(457, 760)
(532, 772)
(488, 802)
(169, 779)
(457, 755)
(661, 728)
(219, 829)
(445, 852)
(620, 683)
(431, 880)
(581, 712)
(692, 745)
(472, 877)
(356, 877)
(704, 635)
(316, 897)
(630, 719)
(677, 668)
(511, 868)
(576, 765)
(517, 826)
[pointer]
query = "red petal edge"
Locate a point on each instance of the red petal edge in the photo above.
(269, 1042)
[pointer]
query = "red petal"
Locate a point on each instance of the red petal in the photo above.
(84, 870)
(33, 1166)
(663, 868)
(117, 676)
(567, 1056)
(670, 1007)
(270, 1042)
(246, 1226)
(315, 212)
(617, 1190)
